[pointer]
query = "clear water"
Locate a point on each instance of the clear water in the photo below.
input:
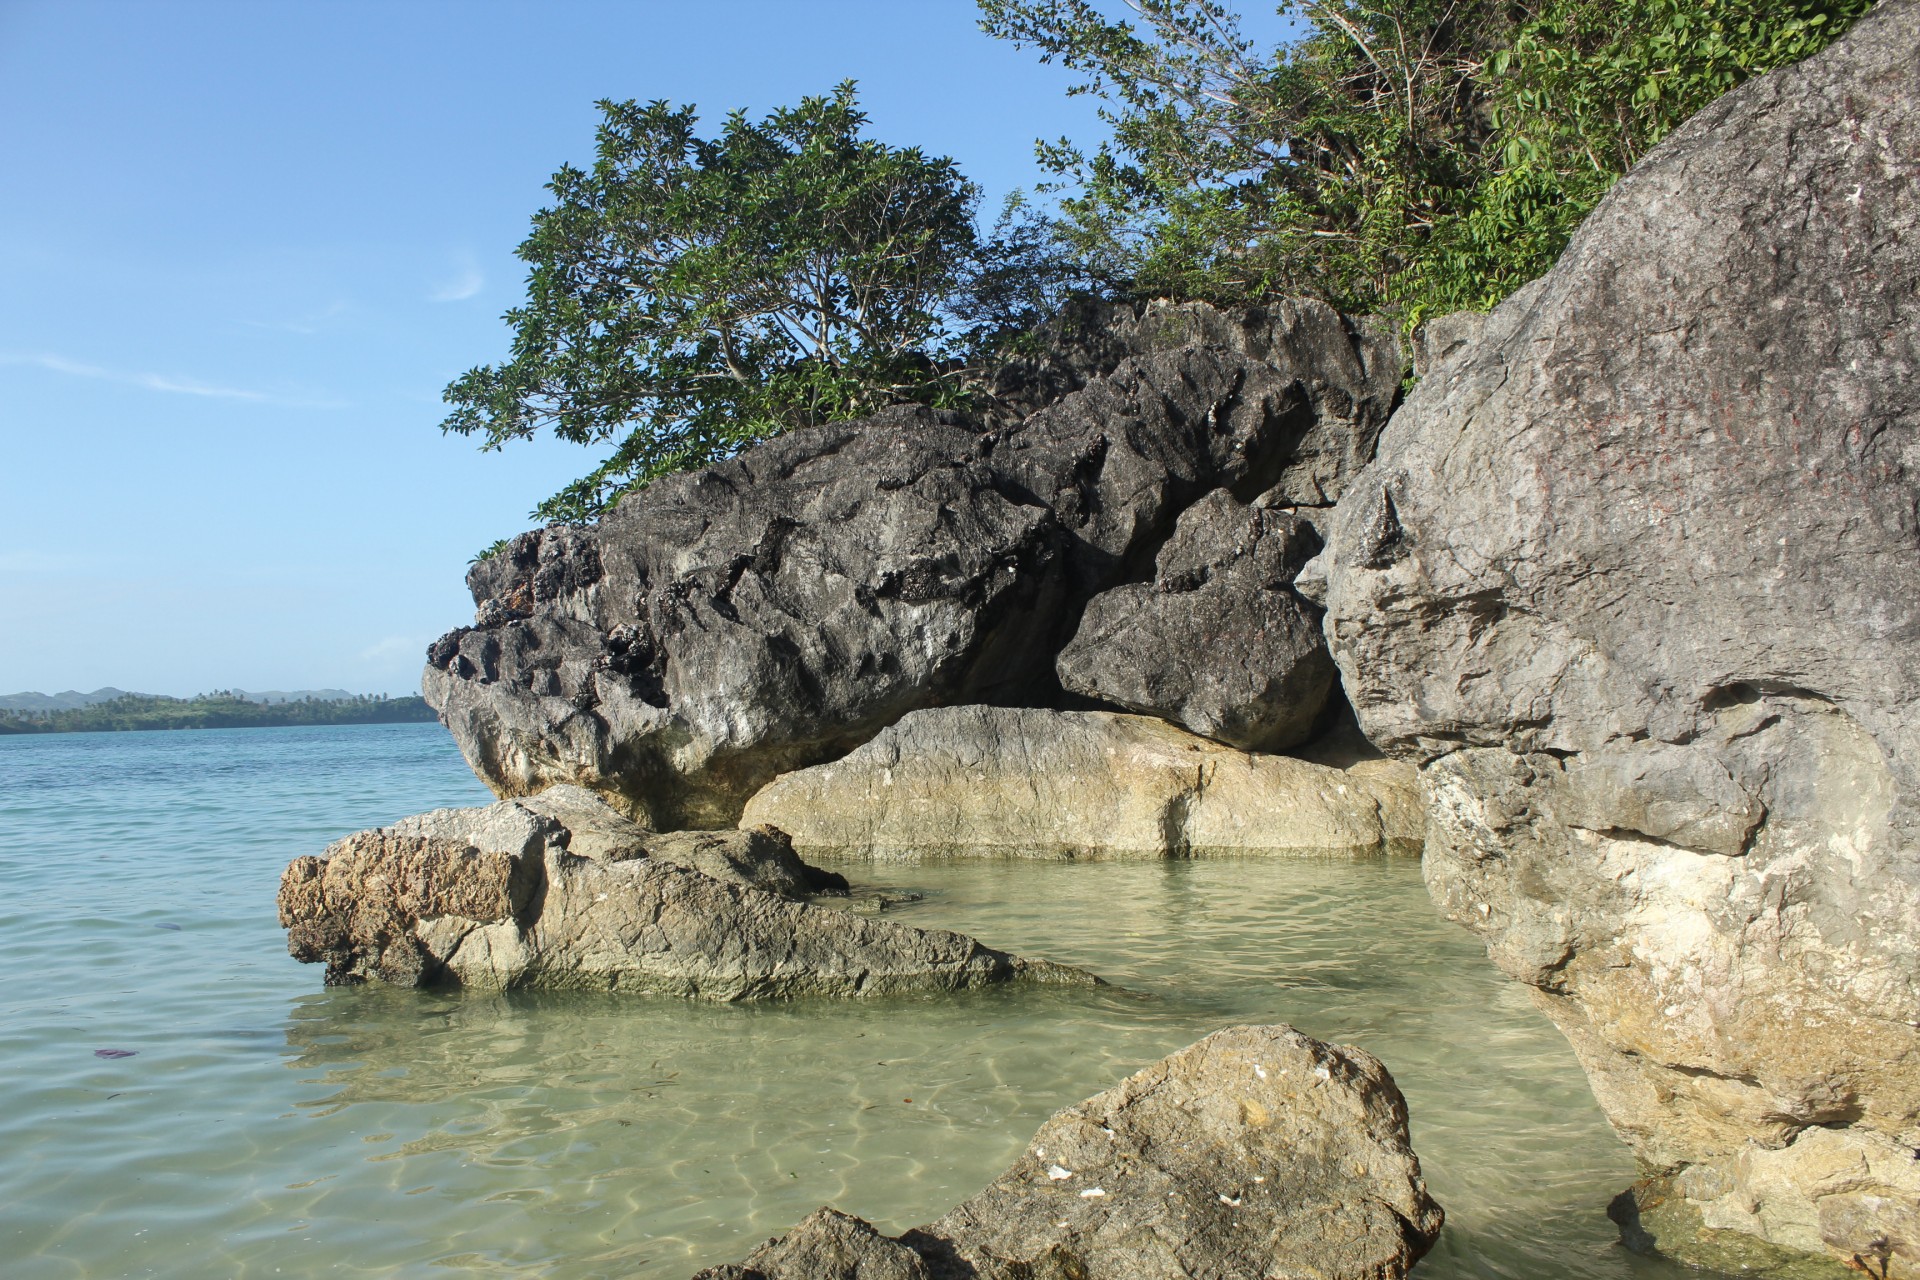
(265, 1126)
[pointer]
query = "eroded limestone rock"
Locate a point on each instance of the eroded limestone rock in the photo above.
(1023, 783)
(1634, 578)
(498, 897)
(1256, 1152)
(776, 610)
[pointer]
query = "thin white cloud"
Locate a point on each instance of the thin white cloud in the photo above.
(151, 381)
(160, 382)
(466, 283)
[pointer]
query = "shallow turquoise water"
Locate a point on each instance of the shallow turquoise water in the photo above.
(266, 1126)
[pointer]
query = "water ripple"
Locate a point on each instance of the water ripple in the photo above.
(266, 1126)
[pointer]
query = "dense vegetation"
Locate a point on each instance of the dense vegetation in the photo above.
(1399, 156)
(219, 710)
(688, 296)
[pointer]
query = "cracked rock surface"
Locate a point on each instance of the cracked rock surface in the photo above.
(560, 891)
(1255, 1152)
(1635, 579)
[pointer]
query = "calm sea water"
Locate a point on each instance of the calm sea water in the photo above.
(265, 1126)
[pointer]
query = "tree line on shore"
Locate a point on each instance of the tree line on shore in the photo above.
(222, 709)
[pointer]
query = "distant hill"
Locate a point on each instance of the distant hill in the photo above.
(70, 700)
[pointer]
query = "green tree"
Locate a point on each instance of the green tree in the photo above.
(1582, 91)
(687, 295)
(1395, 155)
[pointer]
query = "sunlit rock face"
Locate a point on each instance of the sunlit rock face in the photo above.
(1014, 782)
(779, 609)
(1635, 577)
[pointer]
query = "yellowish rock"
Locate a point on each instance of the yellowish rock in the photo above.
(1021, 783)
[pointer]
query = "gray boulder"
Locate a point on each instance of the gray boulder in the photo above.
(1635, 579)
(559, 891)
(1256, 1152)
(1218, 641)
(776, 610)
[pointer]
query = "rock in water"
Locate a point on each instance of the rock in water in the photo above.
(776, 610)
(1256, 1152)
(1636, 579)
(1021, 783)
(828, 1245)
(560, 891)
(1218, 641)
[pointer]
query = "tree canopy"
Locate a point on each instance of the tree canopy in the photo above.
(1397, 155)
(689, 295)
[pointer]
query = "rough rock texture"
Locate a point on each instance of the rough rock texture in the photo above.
(776, 610)
(1013, 782)
(561, 891)
(1352, 390)
(1636, 578)
(827, 1245)
(1257, 1152)
(1218, 641)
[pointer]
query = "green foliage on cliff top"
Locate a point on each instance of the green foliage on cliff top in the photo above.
(689, 295)
(220, 710)
(1403, 156)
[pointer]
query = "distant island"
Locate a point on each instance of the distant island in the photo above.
(112, 709)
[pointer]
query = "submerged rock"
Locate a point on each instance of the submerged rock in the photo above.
(1256, 1152)
(1218, 641)
(724, 626)
(1636, 579)
(1022, 783)
(560, 891)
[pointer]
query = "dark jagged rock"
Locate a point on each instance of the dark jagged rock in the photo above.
(1352, 385)
(777, 610)
(558, 890)
(1636, 578)
(1256, 1152)
(1218, 641)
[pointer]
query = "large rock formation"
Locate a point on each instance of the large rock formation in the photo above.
(1636, 579)
(776, 610)
(1218, 641)
(1012, 782)
(561, 891)
(1256, 1152)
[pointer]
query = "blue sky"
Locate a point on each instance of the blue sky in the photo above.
(244, 245)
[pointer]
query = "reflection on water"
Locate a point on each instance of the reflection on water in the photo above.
(266, 1126)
